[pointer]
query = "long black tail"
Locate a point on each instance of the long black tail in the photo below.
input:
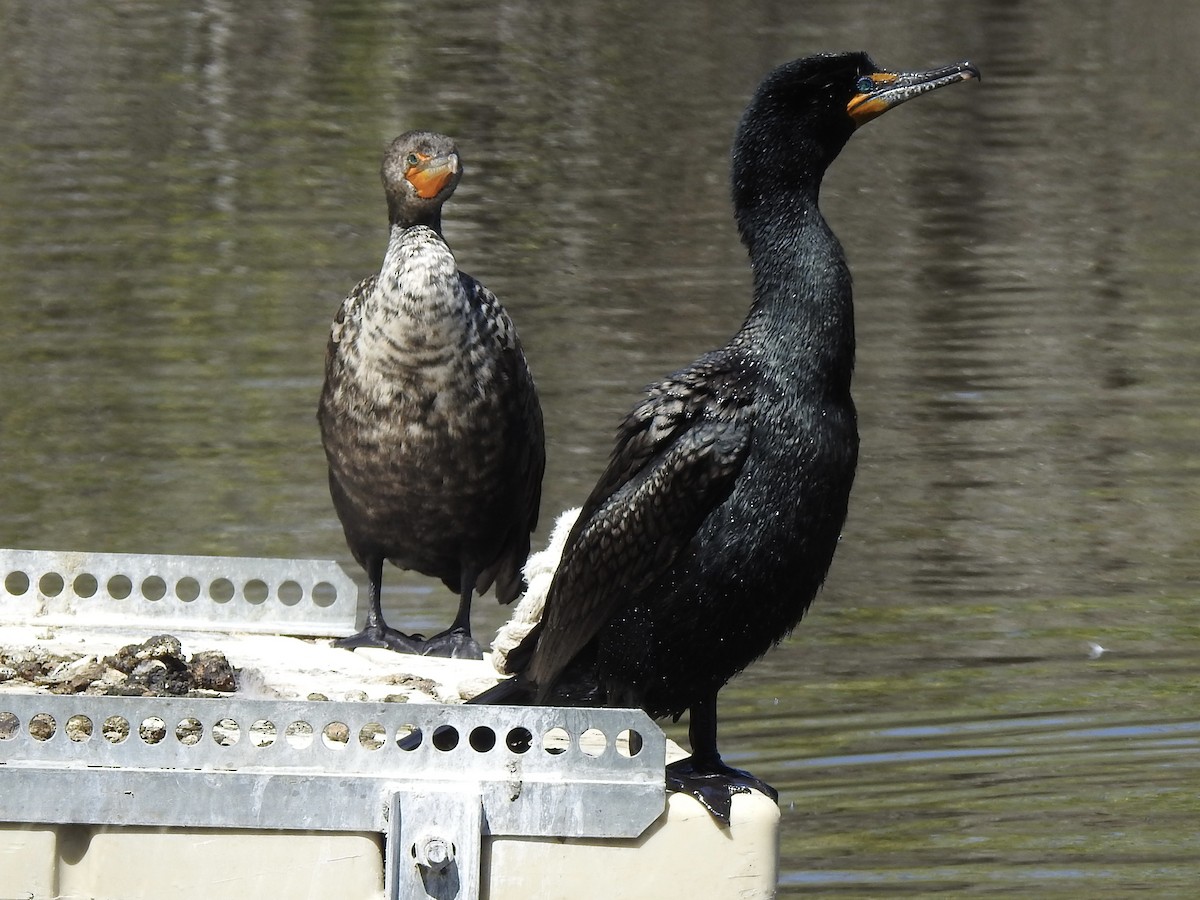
(513, 692)
(516, 691)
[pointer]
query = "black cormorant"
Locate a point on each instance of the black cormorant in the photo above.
(429, 416)
(714, 525)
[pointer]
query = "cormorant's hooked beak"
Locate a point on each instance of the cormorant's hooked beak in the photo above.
(880, 91)
(431, 174)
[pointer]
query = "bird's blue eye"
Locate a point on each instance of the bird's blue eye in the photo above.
(864, 85)
(412, 159)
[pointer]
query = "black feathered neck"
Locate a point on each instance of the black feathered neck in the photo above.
(794, 127)
(403, 213)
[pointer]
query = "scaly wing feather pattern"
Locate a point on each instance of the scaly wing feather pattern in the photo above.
(677, 457)
(345, 321)
(530, 462)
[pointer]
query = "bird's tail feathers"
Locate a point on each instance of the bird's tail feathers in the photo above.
(517, 658)
(513, 692)
(515, 635)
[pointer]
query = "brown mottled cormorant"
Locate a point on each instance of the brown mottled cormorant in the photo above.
(714, 525)
(429, 416)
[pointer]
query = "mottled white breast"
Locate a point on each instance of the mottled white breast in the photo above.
(416, 325)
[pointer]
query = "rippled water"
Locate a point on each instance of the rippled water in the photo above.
(188, 189)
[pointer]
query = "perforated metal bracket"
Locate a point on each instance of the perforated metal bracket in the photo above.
(433, 779)
(208, 593)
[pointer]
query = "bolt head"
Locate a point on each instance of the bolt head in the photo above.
(434, 852)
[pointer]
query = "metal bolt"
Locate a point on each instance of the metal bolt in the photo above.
(433, 852)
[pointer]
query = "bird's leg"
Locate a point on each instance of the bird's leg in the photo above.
(456, 641)
(704, 775)
(376, 633)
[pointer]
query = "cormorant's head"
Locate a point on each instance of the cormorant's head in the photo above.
(420, 171)
(805, 110)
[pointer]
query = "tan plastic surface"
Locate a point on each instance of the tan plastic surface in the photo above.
(685, 853)
(75, 862)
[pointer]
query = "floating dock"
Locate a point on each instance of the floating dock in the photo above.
(327, 772)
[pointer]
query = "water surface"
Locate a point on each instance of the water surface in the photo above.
(188, 189)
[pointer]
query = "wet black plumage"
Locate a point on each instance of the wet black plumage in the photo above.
(429, 416)
(713, 527)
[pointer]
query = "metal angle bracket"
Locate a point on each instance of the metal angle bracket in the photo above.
(434, 780)
(434, 843)
(207, 593)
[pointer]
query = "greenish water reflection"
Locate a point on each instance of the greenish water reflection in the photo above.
(187, 190)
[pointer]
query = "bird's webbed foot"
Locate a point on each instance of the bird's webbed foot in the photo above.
(454, 643)
(714, 784)
(385, 637)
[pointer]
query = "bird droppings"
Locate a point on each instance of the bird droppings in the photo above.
(210, 670)
(226, 732)
(115, 729)
(190, 732)
(426, 686)
(156, 667)
(82, 660)
(336, 733)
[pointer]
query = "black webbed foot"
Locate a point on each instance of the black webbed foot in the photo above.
(455, 643)
(382, 636)
(714, 785)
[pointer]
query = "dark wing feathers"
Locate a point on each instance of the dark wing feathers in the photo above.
(345, 317)
(527, 442)
(677, 456)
